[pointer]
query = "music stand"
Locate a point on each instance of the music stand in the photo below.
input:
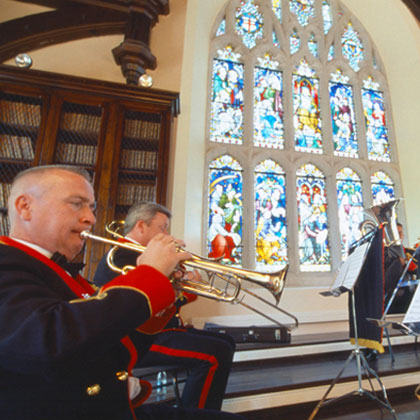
(345, 282)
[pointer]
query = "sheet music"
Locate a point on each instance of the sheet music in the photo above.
(349, 271)
(413, 312)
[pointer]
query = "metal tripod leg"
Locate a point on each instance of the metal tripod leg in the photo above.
(361, 364)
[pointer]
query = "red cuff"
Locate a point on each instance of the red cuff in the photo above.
(148, 281)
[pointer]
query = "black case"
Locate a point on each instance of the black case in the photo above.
(253, 334)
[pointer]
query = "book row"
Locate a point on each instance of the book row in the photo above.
(81, 122)
(4, 225)
(142, 129)
(132, 193)
(16, 147)
(138, 159)
(20, 113)
(4, 194)
(76, 153)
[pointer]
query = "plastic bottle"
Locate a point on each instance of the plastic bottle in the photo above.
(161, 382)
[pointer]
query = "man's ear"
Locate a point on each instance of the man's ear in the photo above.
(140, 226)
(23, 206)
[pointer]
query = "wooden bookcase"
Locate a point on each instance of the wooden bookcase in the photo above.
(119, 133)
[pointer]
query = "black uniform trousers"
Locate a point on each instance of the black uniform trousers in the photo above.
(207, 356)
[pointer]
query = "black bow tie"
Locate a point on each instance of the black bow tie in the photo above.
(73, 268)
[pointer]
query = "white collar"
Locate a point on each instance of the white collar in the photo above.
(42, 251)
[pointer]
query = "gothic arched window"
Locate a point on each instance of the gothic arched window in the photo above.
(297, 92)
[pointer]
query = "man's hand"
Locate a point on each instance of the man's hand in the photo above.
(162, 253)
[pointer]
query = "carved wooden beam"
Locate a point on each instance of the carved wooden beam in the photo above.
(78, 19)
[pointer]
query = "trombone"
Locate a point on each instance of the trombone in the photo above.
(231, 276)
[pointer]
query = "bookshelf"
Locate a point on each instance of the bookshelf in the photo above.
(120, 134)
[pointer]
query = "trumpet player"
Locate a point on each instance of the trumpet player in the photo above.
(65, 350)
(207, 356)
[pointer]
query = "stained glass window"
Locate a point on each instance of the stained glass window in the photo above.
(276, 5)
(268, 104)
(303, 10)
(350, 207)
(306, 120)
(352, 47)
(314, 249)
(313, 45)
(270, 216)
(376, 130)
(226, 124)
(294, 43)
(278, 68)
(382, 188)
(224, 237)
(249, 23)
(343, 118)
(327, 16)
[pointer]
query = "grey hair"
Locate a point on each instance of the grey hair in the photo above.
(144, 210)
(44, 168)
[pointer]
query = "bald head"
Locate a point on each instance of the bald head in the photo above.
(50, 205)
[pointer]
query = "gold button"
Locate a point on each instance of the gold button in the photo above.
(122, 376)
(93, 390)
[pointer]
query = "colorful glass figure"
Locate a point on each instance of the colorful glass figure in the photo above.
(270, 216)
(303, 9)
(294, 43)
(224, 235)
(350, 208)
(276, 6)
(343, 118)
(313, 45)
(314, 250)
(382, 188)
(268, 104)
(226, 124)
(221, 30)
(376, 130)
(249, 23)
(352, 47)
(327, 16)
(306, 113)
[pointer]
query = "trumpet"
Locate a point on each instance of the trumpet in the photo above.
(231, 277)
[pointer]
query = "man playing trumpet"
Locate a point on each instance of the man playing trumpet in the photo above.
(65, 351)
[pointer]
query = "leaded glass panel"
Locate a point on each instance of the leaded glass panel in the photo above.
(276, 5)
(303, 10)
(350, 207)
(226, 124)
(249, 23)
(327, 16)
(224, 236)
(270, 216)
(221, 30)
(306, 115)
(314, 249)
(352, 47)
(376, 130)
(382, 188)
(268, 106)
(343, 118)
(313, 45)
(294, 43)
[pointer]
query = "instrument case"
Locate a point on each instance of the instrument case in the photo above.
(253, 333)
